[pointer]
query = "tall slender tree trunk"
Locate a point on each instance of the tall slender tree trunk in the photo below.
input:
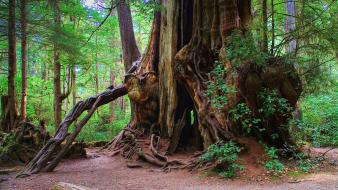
(96, 72)
(290, 25)
(24, 58)
(129, 47)
(74, 84)
(130, 51)
(265, 26)
(73, 78)
(44, 69)
(96, 68)
(112, 83)
(57, 70)
(272, 28)
(12, 66)
(121, 100)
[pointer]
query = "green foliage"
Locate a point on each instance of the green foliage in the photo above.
(7, 143)
(273, 164)
(231, 170)
(318, 124)
(224, 153)
(273, 104)
(78, 21)
(241, 113)
(217, 89)
(99, 130)
(242, 49)
(305, 163)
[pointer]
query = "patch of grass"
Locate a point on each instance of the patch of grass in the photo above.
(211, 172)
(295, 173)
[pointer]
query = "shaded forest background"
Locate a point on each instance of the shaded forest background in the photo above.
(90, 57)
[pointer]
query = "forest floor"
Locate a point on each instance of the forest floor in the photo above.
(101, 171)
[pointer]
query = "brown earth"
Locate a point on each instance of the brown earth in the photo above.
(104, 172)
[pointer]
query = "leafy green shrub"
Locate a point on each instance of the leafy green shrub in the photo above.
(242, 49)
(242, 114)
(273, 103)
(273, 164)
(217, 88)
(224, 153)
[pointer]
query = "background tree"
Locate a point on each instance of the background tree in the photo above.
(290, 24)
(265, 25)
(129, 47)
(11, 112)
(57, 67)
(24, 58)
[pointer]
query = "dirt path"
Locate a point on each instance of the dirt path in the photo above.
(106, 172)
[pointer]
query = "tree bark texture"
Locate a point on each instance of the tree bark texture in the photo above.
(24, 58)
(12, 102)
(290, 25)
(57, 69)
(129, 47)
(265, 26)
(272, 51)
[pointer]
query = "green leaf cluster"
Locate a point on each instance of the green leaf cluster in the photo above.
(224, 153)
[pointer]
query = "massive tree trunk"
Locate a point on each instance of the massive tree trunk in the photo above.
(186, 56)
(168, 87)
(24, 58)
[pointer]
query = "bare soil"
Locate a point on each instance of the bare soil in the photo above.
(102, 171)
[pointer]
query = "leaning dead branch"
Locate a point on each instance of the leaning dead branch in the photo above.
(45, 160)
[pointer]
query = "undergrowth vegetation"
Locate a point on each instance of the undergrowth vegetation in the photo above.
(316, 123)
(274, 165)
(319, 119)
(225, 156)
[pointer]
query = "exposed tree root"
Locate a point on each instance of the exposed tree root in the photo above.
(132, 144)
(20, 145)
